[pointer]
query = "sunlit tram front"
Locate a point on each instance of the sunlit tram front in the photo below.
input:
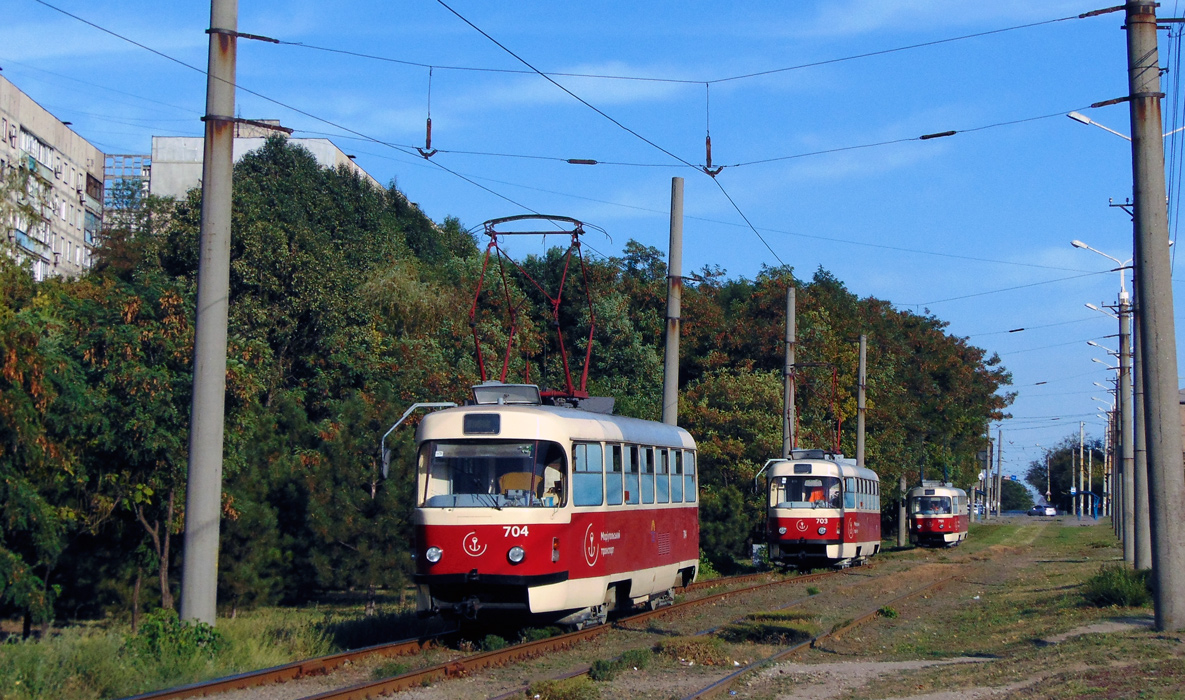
(550, 510)
(823, 510)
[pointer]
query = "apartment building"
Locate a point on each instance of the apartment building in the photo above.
(64, 183)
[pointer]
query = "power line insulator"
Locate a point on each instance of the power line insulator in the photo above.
(427, 151)
(708, 165)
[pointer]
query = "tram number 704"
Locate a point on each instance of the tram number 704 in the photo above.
(516, 531)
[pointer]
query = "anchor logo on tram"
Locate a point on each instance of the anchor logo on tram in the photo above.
(591, 550)
(473, 546)
(801, 526)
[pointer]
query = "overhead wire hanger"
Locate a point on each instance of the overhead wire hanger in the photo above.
(708, 169)
(427, 151)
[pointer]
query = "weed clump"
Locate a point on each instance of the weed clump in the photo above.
(887, 612)
(812, 590)
(534, 634)
(390, 669)
(492, 642)
(707, 651)
(163, 635)
(578, 688)
(770, 628)
(606, 670)
(1117, 585)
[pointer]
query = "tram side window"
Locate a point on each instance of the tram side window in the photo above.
(631, 474)
(647, 474)
(849, 492)
(662, 480)
(613, 477)
(587, 486)
(677, 477)
(689, 477)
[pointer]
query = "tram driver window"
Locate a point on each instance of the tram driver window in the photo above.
(932, 505)
(492, 474)
(804, 492)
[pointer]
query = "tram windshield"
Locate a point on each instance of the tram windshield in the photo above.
(492, 474)
(804, 492)
(930, 505)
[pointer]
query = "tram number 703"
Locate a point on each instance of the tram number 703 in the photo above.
(516, 531)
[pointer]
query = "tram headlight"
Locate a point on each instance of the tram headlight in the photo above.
(515, 555)
(433, 554)
(822, 530)
(781, 530)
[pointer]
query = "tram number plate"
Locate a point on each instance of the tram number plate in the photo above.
(516, 531)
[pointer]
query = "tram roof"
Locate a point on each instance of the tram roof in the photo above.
(846, 467)
(541, 421)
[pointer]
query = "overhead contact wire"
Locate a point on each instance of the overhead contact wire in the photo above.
(405, 150)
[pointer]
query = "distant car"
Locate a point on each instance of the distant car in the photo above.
(1043, 510)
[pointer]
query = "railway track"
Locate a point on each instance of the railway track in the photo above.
(326, 664)
(724, 684)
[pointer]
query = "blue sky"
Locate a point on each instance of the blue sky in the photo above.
(942, 224)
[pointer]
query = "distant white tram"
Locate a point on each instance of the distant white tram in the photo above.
(939, 515)
(822, 510)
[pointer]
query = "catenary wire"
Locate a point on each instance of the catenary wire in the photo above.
(679, 81)
(286, 106)
(1008, 289)
(616, 122)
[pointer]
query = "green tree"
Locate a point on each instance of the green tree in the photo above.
(1013, 496)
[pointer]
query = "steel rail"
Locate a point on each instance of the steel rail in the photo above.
(724, 684)
(294, 670)
(464, 666)
(325, 664)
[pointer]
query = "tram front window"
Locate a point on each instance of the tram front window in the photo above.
(804, 492)
(931, 505)
(492, 474)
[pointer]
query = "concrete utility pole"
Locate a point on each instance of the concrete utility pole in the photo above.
(902, 534)
(999, 472)
(788, 437)
(1154, 299)
(1081, 467)
(203, 489)
(861, 408)
(1127, 404)
(670, 377)
(1141, 531)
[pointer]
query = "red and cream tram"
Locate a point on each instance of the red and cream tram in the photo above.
(555, 511)
(938, 515)
(822, 510)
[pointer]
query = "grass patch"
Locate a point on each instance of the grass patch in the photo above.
(104, 660)
(578, 688)
(389, 669)
(812, 590)
(887, 612)
(778, 627)
(492, 642)
(706, 651)
(1115, 585)
(604, 670)
(534, 634)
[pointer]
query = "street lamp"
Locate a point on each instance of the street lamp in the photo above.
(1092, 307)
(1123, 265)
(1083, 119)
